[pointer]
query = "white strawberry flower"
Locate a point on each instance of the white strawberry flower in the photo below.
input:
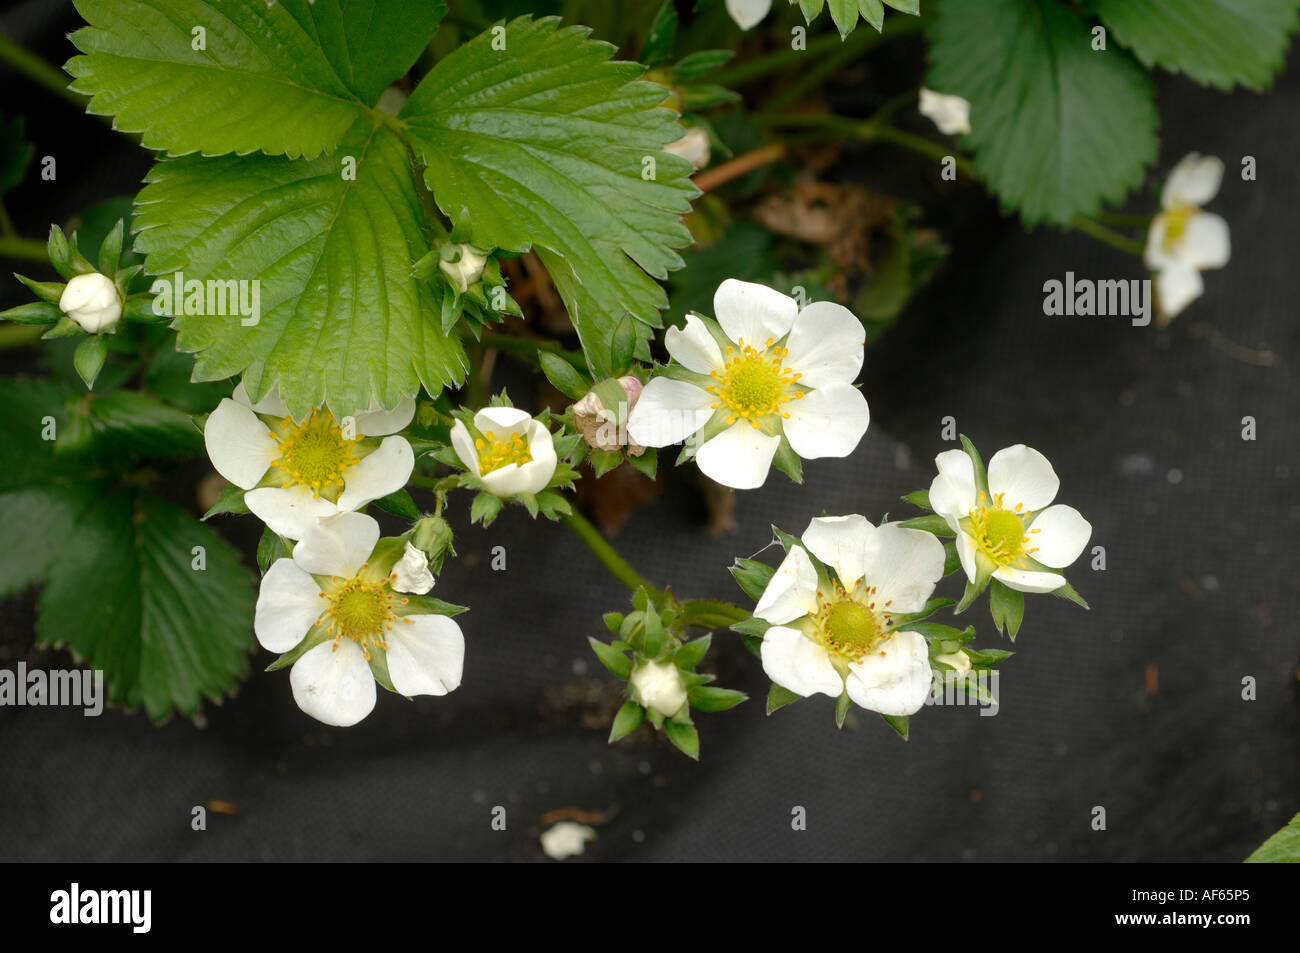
(1183, 240)
(831, 636)
(510, 453)
(92, 301)
(694, 147)
(1010, 532)
(748, 13)
(763, 373)
(335, 591)
(951, 114)
(297, 472)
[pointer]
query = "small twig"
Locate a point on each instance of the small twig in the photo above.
(741, 165)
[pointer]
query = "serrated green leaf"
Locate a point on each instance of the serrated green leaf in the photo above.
(612, 658)
(343, 319)
(284, 78)
(122, 593)
(1282, 848)
(544, 143)
(627, 720)
(1057, 128)
(1221, 43)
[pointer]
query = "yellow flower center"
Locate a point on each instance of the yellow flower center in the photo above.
(493, 454)
(1000, 532)
(753, 384)
(314, 453)
(850, 625)
(1176, 220)
(362, 610)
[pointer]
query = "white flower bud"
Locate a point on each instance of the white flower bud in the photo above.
(412, 572)
(659, 686)
(566, 839)
(601, 427)
(693, 146)
(950, 113)
(92, 302)
(467, 270)
(958, 660)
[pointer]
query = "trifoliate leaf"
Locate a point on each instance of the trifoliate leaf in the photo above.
(550, 144)
(214, 76)
(1218, 42)
(1057, 127)
(343, 319)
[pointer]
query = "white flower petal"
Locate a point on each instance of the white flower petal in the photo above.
(895, 680)
(693, 347)
(289, 511)
(240, 446)
(1194, 181)
(951, 114)
(1177, 286)
(503, 421)
(288, 604)
(748, 13)
(841, 542)
(541, 447)
(378, 422)
(791, 593)
(1156, 255)
(426, 657)
(739, 457)
(668, 412)
(966, 553)
(337, 545)
(1062, 532)
(412, 571)
(753, 312)
(826, 344)
(904, 566)
(463, 444)
(333, 684)
(827, 422)
(271, 404)
(797, 663)
(1028, 581)
(385, 470)
(1022, 475)
(1206, 242)
(952, 492)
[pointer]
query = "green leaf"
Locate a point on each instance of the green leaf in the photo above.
(779, 697)
(544, 143)
(658, 46)
(684, 737)
(1007, 606)
(15, 152)
(628, 720)
(699, 64)
(89, 358)
(845, 15)
(708, 698)
(623, 346)
(612, 658)
(1282, 848)
(137, 427)
(342, 316)
(1216, 42)
(399, 503)
(1057, 127)
(563, 375)
(284, 78)
(121, 591)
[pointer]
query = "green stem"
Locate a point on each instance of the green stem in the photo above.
(607, 554)
(23, 248)
(14, 336)
(1124, 220)
(1106, 236)
(528, 348)
(39, 71)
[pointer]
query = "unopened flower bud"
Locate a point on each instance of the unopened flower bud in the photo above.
(958, 660)
(467, 270)
(92, 302)
(950, 113)
(432, 534)
(694, 147)
(412, 572)
(659, 686)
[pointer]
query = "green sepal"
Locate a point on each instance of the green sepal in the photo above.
(842, 706)
(779, 696)
(110, 250)
(314, 637)
(628, 720)
(934, 525)
(484, 509)
(612, 658)
(684, 737)
(50, 291)
(691, 654)
(1067, 592)
(981, 477)
(752, 576)
(35, 312)
(231, 500)
(898, 723)
(399, 503)
(707, 698)
(89, 358)
(1007, 606)
(270, 547)
(920, 498)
